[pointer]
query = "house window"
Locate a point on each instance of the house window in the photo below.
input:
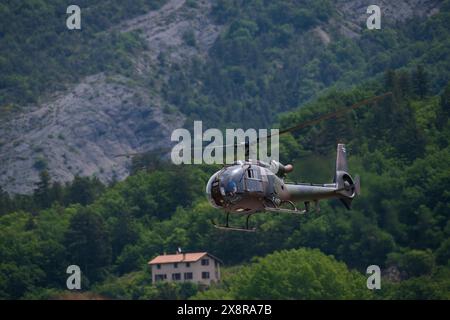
(158, 266)
(188, 264)
(160, 277)
(176, 276)
(215, 263)
(188, 276)
(205, 275)
(205, 262)
(175, 265)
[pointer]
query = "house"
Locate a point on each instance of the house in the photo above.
(198, 267)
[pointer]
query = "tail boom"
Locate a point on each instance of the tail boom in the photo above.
(344, 187)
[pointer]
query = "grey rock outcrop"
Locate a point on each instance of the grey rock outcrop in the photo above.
(80, 131)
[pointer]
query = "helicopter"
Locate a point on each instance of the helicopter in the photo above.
(247, 186)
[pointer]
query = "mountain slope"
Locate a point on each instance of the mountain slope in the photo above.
(81, 130)
(229, 63)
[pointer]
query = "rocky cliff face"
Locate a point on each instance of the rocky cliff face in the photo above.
(354, 13)
(392, 11)
(80, 131)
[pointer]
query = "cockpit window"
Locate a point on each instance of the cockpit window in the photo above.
(212, 191)
(231, 183)
(226, 186)
(229, 189)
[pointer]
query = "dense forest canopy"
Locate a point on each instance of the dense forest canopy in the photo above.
(38, 54)
(269, 69)
(270, 60)
(400, 222)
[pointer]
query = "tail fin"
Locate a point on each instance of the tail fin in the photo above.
(341, 158)
(341, 165)
(346, 187)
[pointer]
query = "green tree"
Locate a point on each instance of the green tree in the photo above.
(57, 192)
(88, 244)
(124, 233)
(429, 287)
(444, 111)
(84, 190)
(5, 202)
(42, 192)
(443, 253)
(414, 263)
(295, 274)
(421, 85)
(389, 79)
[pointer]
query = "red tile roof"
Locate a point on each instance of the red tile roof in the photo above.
(179, 257)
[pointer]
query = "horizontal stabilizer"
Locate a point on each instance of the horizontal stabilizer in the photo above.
(357, 185)
(347, 202)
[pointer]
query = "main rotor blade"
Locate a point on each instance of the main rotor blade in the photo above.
(330, 115)
(302, 125)
(158, 151)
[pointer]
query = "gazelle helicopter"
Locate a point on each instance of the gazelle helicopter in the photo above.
(249, 186)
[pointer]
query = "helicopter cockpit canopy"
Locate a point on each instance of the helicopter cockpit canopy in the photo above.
(226, 186)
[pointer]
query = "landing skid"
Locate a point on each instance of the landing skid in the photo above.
(275, 208)
(227, 226)
(295, 210)
(232, 228)
(282, 210)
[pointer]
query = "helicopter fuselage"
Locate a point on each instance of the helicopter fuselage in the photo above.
(247, 187)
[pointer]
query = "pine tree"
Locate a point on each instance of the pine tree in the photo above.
(84, 190)
(57, 193)
(445, 103)
(389, 80)
(124, 233)
(5, 202)
(404, 84)
(88, 244)
(421, 86)
(42, 195)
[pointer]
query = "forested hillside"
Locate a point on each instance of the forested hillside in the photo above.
(274, 63)
(400, 222)
(114, 86)
(275, 55)
(39, 55)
